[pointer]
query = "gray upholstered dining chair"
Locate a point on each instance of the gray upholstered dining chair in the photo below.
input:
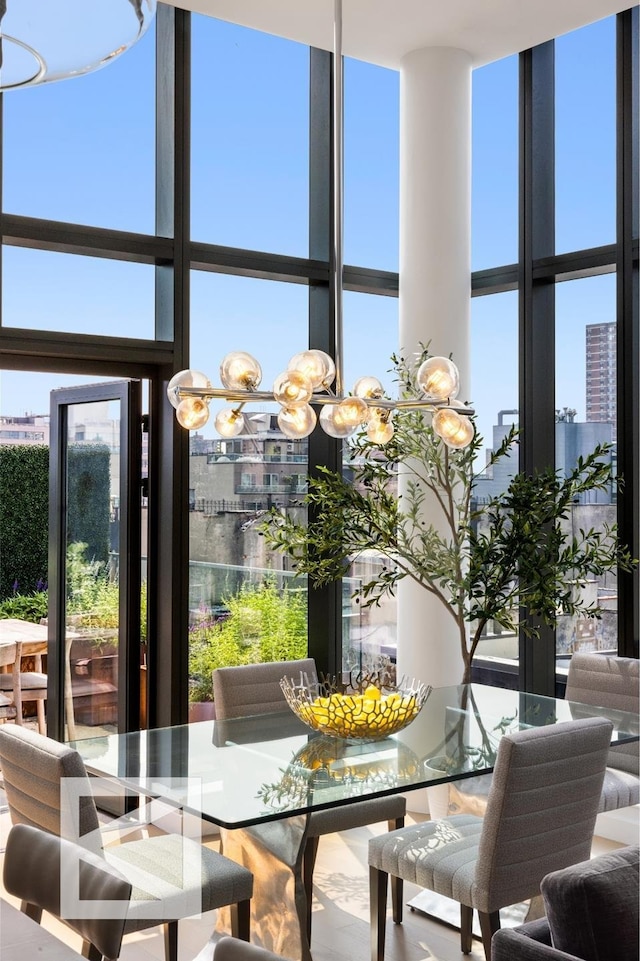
(605, 680)
(255, 689)
(540, 817)
(601, 680)
(32, 769)
(38, 865)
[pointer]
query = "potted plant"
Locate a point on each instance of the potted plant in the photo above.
(481, 563)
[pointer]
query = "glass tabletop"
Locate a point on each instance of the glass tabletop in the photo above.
(242, 772)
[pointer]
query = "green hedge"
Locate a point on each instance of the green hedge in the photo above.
(24, 511)
(24, 518)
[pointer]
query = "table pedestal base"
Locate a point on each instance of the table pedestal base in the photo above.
(273, 853)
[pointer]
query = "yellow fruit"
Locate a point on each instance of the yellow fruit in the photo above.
(372, 692)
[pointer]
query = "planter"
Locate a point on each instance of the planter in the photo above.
(202, 711)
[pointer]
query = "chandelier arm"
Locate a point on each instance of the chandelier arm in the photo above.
(250, 396)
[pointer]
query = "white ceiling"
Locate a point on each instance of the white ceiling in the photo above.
(383, 31)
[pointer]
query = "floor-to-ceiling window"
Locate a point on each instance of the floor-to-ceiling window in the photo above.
(142, 238)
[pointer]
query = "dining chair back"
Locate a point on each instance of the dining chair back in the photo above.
(540, 817)
(38, 866)
(605, 680)
(255, 689)
(33, 767)
(250, 689)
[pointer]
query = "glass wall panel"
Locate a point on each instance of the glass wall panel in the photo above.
(371, 165)
(494, 196)
(585, 137)
(370, 338)
(494, 395)
(250, 139)
(83, 151)
(245, 605)
(42, 290)
(586, 417)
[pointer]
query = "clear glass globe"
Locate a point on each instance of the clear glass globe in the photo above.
(368, 387)
(192, 413)
(455, 429)
(185, 378)
(353, 410)
(229, 422)
(292, 389)
(333, 423)
(316, 366)
(380, 428)
(240, 371)
(438, 379)
(297, 422)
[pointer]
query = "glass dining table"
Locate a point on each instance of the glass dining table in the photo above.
(259, 778)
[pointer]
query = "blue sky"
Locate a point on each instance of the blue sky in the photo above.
(82, 149)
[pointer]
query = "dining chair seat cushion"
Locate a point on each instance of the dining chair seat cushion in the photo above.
(593, 907)
(349, 816)
(219, 882)
(439, 855)
(621, 789)
(29, 681)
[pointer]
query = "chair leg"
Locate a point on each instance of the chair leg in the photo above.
(241, 920)
(89, 951)
(397, 887)
(489, 924)
(170, 930)
(42, 724)
(308, 864)
(396, 883)
(466, 934)
(377, 912)
(32, 911)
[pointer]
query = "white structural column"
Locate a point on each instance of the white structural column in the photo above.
(435, 265)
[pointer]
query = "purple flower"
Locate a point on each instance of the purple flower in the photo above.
(16, 586)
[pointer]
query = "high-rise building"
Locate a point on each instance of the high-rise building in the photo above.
(601, 373)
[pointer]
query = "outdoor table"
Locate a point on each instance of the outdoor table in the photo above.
(259, 777)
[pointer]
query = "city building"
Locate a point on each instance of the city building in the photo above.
(601, 374)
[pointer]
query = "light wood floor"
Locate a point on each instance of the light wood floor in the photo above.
(340, 913)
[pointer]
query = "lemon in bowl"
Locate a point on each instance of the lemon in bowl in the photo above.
(361, 711)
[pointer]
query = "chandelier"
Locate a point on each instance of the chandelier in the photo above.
(312, 378)
(46, 40)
